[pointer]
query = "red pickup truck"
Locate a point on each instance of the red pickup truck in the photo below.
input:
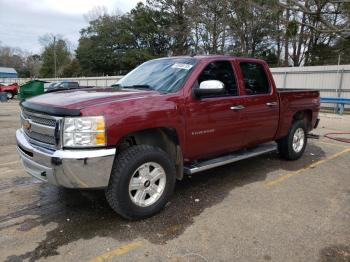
(166, 118)
(11, 90)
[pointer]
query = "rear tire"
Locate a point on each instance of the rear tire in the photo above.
(292, 146)
(9, 95)
(141, 183)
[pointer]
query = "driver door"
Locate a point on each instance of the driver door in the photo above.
(213, 122)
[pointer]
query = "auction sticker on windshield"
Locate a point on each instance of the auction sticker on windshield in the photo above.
(182, 66)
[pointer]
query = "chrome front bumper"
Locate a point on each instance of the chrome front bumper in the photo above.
(67, 168)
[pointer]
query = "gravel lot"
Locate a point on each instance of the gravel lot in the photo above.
(260, 209)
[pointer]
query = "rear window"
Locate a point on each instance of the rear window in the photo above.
(255, 79)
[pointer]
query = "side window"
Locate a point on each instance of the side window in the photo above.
(64, 84)
(222, 71)
(255, 79)
(73, 84)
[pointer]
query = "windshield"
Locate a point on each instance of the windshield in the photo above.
(163, 75)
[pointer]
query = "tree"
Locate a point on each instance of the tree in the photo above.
(73, 69)
(55, 57)
(26, 64)
(284, 32)
(209, 19)
(250, 25)
(114, 44)
(33, 64)
(11, 57)
(149, 28)
(176, 12)
(102, 45)
(332, 16)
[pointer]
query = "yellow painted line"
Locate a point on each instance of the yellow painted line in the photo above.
(313, 165)
(331, 144)
(10, 163)
(117, 252)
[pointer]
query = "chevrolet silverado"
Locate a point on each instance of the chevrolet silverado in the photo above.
(166, 118)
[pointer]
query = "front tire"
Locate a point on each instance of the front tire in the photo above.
(292, 146)
(141, 183)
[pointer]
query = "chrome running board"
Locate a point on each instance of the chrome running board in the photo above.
(227, 159)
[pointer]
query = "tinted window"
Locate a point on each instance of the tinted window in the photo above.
(222, 71)
(73, 85)
(62, 84)
(255, 79)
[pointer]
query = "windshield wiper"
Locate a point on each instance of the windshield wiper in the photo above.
(139, 87)
(143, 87)
(50, 90)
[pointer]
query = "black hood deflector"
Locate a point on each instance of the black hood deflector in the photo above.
(49, 110)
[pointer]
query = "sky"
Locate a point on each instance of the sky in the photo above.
(22, 22)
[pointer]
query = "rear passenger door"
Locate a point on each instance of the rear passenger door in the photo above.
(261, 113)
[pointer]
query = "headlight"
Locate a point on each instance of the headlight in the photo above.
(87, 131)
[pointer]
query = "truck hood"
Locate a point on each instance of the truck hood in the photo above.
(82, 98)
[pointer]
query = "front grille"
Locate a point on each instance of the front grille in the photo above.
(39, 120)
(41, 129)
(41, 137)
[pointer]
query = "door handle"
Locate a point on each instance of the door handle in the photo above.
(271, 104)
(237, 107)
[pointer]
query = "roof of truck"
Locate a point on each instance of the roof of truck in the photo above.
(211, 57)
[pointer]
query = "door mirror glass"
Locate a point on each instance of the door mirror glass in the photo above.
(209, 88)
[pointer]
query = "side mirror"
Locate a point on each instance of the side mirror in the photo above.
(209, 88)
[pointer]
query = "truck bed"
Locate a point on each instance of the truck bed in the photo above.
(282, 90)
(294, 100)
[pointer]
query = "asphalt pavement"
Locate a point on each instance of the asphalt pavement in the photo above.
(259, 209)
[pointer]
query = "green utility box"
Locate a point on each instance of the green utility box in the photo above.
(31, 88)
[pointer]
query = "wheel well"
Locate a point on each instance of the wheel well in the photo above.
(165, 138)
(305, 115)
